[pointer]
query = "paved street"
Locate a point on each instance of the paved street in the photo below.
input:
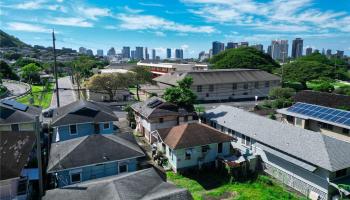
(66, 93)
(15, 89)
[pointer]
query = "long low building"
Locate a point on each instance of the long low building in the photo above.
(220, 85)
(310, 162)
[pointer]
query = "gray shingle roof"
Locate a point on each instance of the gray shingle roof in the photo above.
(92, 149)
(139, 185)
(207, 77)
(15, 148)
(164, 109)
(10, 115)
(82, 112)
(312, 147)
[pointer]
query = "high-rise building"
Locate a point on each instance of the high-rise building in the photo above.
(308, 51)
(232, 45)
(153, 54)
(258, 47)
(100, 52)
(316, 51)
(132, 55)
(139, 53)
(329, 52)
(279, 49)
(82, 50)
(297, 48)
(179, 54)
(201, 54)
(269, 50)
(323, 51)
(218, 47)
(340, 54)
(168, 53)
(89, 52)
(126, 52)
(146, 54)
(111, 52)
(244, 44)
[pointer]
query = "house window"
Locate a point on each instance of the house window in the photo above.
(325, 126)
(75, 177)
(256, 85)
(220, 148)
(245, 86)
(222, 129)
(247, 141)
(346, 131)
(213, 124)
(234, 86)
(188, 153)
(245, 93)
(199, 88)
(243, 139)
(15, 127)
(123, 168)
(106, 125)
(185, 118)
(267, 84)
(161, 120)
(73, 129)
(290, 119)
(340, 173)
(205, 148)
(211, 88)
(298, 121)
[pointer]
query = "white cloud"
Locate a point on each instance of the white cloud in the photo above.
(110, 27)
(19, 26)
(133, 11)
(144, 22)
(69, 21)
(185, 47)
(160, 33)
(277, 15)
(151, 4)
(57, 7)
(93, 12)
(29, 5)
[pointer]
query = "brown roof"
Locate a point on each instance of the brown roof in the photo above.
(218, 76)
(15, 148)
(191, 135)
(323, 99)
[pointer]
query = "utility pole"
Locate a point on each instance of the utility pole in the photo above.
(38, 155)
(55, 68)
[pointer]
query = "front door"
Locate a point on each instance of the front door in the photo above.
(97, 128)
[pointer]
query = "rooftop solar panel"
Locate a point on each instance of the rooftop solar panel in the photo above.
(322, 113)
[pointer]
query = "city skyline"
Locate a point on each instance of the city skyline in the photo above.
(157, 26)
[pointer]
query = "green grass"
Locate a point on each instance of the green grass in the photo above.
(41, 98)
(209, 185)
(337, 84)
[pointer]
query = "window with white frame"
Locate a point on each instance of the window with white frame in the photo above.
(106, 125)
(188, 153)
(73, 129)
(123, 168)
(75, 176)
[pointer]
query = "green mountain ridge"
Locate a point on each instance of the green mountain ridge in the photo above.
(7, 40)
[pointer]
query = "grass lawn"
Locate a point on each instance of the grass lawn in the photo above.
(337, 84)
(210, 185)
(41, 98)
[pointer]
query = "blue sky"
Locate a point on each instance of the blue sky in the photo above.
(188, 24)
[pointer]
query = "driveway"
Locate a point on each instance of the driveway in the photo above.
(66, 92)
(16, 89)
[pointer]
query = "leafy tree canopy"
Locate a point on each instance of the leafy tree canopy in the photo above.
(7, 72)
(243, 57)
(181, 94)
(142, 75)
(277, 93)
(30, 73)
(25, 61)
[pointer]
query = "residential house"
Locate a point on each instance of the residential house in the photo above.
(17, 139)
(323, 99)
(221, 85)
(142, 184)
(192, 145)
(155, 113)
(328, 121)
(82, 118)
(310, 162)
(92, 156)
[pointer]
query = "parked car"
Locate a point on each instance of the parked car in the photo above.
(48, 112)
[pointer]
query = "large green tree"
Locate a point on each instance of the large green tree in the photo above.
(243, 57)
(142, 75)
(303, 71)
(181, 94)
(25, 61)
(6, 71)
(30, 73)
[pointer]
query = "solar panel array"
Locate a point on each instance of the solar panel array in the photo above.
(154, 103)
(15, 104)
(323, 113)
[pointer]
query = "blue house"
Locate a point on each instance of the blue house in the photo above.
(192, 145)
(94, 156)
(81, 118)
